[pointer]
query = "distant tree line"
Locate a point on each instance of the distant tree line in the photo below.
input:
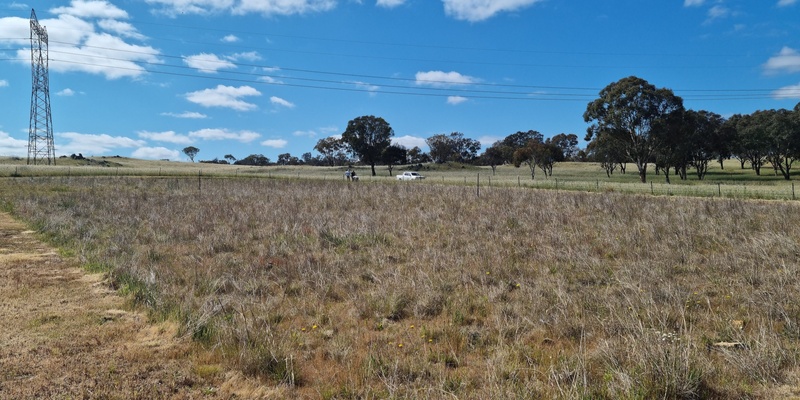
(631, 121)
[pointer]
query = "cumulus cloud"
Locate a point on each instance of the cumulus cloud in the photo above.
(719, 11)
(121, 28)
(275, 143)
(786, 3)
(410, 141)
(230, 39)
(283, 7)
(479, 10)
(309, 133)
(10, 146)
(389, 3)
(281, 102)
(787, 92)
(224, 96)
(95, 144)
(208, 63)
(81, 47)
(443, 79)
(456, 100)
(91, 9)
(240, 7)
(3, 83)
(166, 136)
(224, 134)
(787, 60)
(156, 153)
(202, 7)
(186, 115)
(66, 92)
(693, 3)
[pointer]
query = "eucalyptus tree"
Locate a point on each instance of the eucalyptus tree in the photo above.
(783, 132)
(393, 155)
(453, 147)
(368, 136)
(705, 138)
(630, 110)
(604, 151)
(191, 152)
(752, 140)
(333, 150)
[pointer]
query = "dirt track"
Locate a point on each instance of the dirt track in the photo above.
(63, 334)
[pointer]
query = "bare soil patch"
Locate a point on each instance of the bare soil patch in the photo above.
(65, 335)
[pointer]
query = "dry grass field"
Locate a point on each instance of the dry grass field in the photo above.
(324, 289)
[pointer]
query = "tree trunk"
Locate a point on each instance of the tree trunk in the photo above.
(642, 166)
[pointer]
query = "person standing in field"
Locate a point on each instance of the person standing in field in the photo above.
(347, 174)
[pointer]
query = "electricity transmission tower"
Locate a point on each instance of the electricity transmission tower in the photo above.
(40, 132)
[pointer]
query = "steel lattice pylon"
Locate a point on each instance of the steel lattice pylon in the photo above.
(40, 133)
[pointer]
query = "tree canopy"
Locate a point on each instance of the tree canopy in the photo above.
(368, 137)
(632, 112)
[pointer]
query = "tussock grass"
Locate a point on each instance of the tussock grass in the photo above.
(340, 290)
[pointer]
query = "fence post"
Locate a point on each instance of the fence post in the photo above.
(478, 187)
(719, 189)
(519, 183)
(652, 192)
(199, 174)
(793, 197)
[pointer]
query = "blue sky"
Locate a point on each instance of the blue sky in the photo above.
(146, 78)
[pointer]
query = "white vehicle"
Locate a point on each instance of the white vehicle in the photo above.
(409, 176)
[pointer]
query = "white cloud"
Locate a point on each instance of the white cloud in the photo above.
(80, 48)
(239, 7)
(224, 134)
(719, 11)
(410, 141)
(275, 143)
(281, 102)
(177, 7)
(389, 3)
(310, 134)
(693, 3)
(121, 28)
(372, 89)
(787, 92)
(247, 56)
(479, 10)
(208, 63)
(66, 92)
(443, 79)
(230, 39)
(787, 60)
(224, 96)
(156, 153)
(786, 3)
(487, 141)
(91, 9)
(283, 7)
(3, 83)
(456, 99)
(10, 146)
(186, 115)
(94, 144)
(166, 136)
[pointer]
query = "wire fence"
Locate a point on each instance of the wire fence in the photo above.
(480, 181)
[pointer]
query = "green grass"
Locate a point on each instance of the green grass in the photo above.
(732, 182)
